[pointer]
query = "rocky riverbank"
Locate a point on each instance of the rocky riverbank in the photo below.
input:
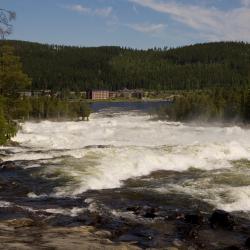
(87, 221)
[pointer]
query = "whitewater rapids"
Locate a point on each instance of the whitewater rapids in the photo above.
(109, 149)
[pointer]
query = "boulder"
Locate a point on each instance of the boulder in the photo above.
(8, 165)
(247, 243)
(196, 219)
(23, 222)
(222, 219)
(150, 213)
(233, 248)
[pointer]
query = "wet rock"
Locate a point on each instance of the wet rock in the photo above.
(8, 165)
(134, 209)
(247, 243)
(146, 211)
(91, 219)
(191, 248)
(232, 248)
(129, 238)
(179, 216)
(23, 222)
(103, 234)
(150, 213)
(177, 243)
(193, 233)
(197, 219)
(222, 219)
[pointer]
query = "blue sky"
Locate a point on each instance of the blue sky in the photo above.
(131, 23)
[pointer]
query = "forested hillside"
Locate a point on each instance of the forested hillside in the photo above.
(199, 66)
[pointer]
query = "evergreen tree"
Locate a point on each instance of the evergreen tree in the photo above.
(12, 78)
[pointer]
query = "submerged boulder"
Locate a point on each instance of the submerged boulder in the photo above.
(7, 165)
(22, 222)
(196, 219)
(247, 243)
(222, 219)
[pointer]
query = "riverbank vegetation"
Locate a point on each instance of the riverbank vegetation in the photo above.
(14, 107)
(225, 105)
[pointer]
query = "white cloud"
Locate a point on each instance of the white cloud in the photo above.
(102, 12)
(211, 23)
(105, 12)
(245, 2)
(147, 28)
(79, 8)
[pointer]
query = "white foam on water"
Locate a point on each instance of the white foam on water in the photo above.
(73, 212)
(4, 204)
(131, 145)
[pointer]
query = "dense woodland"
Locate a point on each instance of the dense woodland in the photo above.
(201, 66)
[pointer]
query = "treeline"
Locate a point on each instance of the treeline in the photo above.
(225, 105)
(201, 66)
(13, 110)
(29, 108)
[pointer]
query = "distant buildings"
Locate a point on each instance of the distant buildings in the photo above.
(98, 94)
(105, 94)
(90, 94)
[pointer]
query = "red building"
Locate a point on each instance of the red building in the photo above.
(98, 94)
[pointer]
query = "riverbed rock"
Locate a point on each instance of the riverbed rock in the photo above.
(60, 238)
(7, 165)
(233, 248)
(247, 243)
(177, 243)
(197, 219)
(150, 213)
(23, 222)
(222, 219)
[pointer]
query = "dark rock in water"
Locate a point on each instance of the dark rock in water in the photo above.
(1, 161)
(134, 209)
(150, 213)
(247, 243)
(197, 219)
(129, 238)
(146, 211)
(8, 165)
(232, 248)
(179, 216)
(222, 219)
(91, 219)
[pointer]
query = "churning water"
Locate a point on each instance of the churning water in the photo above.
(113, 149)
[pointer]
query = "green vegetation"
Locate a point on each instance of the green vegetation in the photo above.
(12, 79)
(201, 66)
(14, 107)
(7, 127)
(226, 105)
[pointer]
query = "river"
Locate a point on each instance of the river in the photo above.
(123, 158)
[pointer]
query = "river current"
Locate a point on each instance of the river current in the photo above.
(128, 154)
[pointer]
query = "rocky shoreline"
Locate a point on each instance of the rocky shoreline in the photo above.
(26, 224)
